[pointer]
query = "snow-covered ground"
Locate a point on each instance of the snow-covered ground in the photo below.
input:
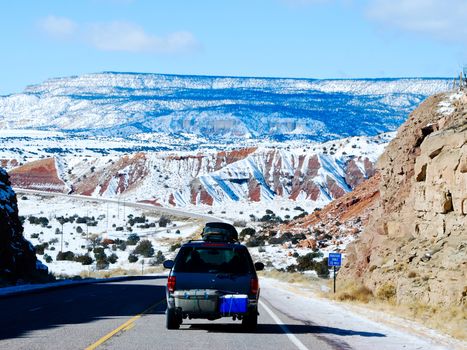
(112, 223)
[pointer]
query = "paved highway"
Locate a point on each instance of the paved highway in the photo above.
(131, 315)
(149, 207)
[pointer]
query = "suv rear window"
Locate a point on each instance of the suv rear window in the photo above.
(213, 260)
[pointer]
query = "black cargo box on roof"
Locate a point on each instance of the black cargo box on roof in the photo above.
(219, 232)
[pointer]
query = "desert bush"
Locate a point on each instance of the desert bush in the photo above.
(84, 259)
(102, 264)
(175, 246)
(248, 231)
(132, 258)
(47, 258)
(132, 239)
(136, 220)
(255, 241)
(41, 247)
(307, 262)
(354, 292)
(112, 258)
(35, 235)
(159, 259)
(79, 229)
(322, 268)
(43, 221)
(164, 221)
(386, 292)
(302, 215)
(122, 246)
(68, 255)
(144, 248)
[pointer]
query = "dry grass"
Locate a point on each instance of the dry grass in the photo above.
(451, 320)
(353, 292)
(296, 278)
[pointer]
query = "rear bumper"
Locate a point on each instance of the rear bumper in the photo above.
(251, 307)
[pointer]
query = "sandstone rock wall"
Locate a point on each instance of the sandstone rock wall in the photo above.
(416, 242)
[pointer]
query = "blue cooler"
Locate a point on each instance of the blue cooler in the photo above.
(233, 303)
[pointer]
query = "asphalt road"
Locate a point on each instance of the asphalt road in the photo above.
(109, 316)
(149, 207)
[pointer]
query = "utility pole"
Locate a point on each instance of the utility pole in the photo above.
(107, 216)
(61, 243)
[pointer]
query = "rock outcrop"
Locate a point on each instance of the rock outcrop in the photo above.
(17, 255)
(339, 222)
(414, 248)
(38, 175)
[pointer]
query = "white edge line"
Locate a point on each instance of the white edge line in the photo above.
(286, 330)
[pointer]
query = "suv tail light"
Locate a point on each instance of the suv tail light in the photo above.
(171, 283)
(254, 286)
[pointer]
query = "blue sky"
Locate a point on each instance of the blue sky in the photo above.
(265, 38)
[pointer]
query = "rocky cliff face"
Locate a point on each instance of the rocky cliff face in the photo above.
(17, 255)
(414, 248)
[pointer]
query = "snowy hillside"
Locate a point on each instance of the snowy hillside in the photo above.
(217, 107)
(308, 173)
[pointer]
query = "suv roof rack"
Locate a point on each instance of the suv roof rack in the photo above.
(219, 232)
(212, 241)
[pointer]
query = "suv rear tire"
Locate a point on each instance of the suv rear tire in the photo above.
(250, 321)
(171, 321)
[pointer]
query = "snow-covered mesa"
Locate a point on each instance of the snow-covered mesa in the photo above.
(131, 103)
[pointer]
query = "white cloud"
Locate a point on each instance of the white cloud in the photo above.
(442, 20)
(124, 36)
(58, 27)
(118, 36)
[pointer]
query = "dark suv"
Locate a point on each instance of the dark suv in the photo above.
(213, 278)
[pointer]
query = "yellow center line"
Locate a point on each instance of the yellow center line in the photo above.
(126, 326)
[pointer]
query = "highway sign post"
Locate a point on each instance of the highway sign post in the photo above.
(335, 259)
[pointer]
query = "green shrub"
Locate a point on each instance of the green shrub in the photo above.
(175, 246)
(144, 248)
(84, 259)
(132, 258)
(160, 258)
(255, 241)
(69, 256)
(102, 264)
(41, 247)
(247, 231)
(164, 221)
(113, 258)
(132, 239)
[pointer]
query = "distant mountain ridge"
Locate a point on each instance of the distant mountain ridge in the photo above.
(220, 107)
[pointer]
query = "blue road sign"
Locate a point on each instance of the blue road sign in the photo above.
(335, 259)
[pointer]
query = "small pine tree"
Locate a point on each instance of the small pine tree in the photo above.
(144, 248)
